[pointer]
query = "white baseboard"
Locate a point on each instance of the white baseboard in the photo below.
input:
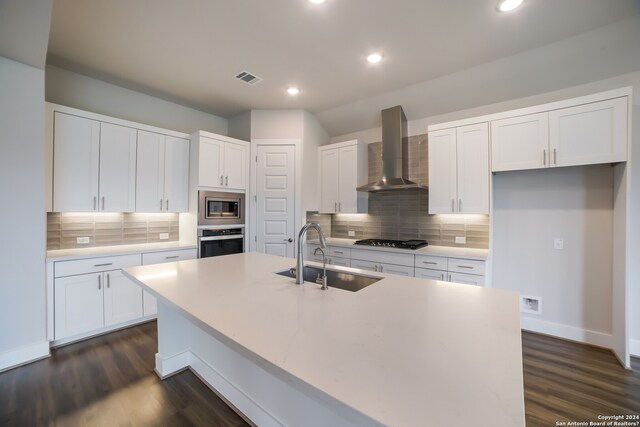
(634, 348)
(20, 356)
(167, 366)
(567, 332)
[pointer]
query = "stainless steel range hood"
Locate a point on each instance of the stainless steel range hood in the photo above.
(395, 153)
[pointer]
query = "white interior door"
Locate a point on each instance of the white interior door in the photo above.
(275, 199)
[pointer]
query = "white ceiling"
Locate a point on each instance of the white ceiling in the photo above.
(24, 30)
(189, 50)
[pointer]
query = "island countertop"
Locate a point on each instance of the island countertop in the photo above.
(403, 351)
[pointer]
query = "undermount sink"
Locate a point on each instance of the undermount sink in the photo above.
(335, 279)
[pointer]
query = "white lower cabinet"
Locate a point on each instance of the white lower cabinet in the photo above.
(341, 262)
(78, 305)
(427, 273)
(380, 267)
(122, 298)
(149, 302)
(466, 279)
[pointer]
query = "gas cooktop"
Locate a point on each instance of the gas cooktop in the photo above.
(400, 244)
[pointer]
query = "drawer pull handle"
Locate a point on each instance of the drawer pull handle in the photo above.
(429, 262)
(464, 266)
(172, 257)
(339, 252)
(103, 265)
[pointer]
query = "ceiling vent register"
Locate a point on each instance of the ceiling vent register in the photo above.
(248, 78)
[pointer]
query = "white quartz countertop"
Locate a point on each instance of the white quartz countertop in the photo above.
(97, 251)
(444, 251)
(404, 351)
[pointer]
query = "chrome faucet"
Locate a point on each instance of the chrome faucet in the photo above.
(300, 259)
(322, 280)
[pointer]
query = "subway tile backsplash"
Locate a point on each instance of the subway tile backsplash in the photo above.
(107, 229)
(402, 215)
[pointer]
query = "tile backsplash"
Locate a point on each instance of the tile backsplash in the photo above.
(106, 229)
(402, 215)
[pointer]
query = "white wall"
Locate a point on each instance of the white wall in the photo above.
(240, 126)
(277, 124)
(86, 93)
(531, 208)
(23, 234)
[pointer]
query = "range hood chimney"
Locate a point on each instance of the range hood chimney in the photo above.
(395, 153)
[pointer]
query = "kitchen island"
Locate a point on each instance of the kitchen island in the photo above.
(401, 352)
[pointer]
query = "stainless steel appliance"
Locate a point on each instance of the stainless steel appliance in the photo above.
(400, 244)
(218, 208)
(220, 241)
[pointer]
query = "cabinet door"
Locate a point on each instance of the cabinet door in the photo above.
(442, 172)
(329, 180)
(589, 134)
(150, 172)
(75, 163)
(426, 273)
(466, 279)
(210, 170)
(520, 143)
(348, 180)
(122, 298)
(473, 168)
(400, 270)
(235, 166)
(176, 175)
(364, 265)
(117, 168)
(78, 304)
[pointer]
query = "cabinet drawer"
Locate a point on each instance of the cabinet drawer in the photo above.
(400, 270)
(364, 265)
(169, 256)
(431, 262)
(338, 251)
(335, 260)
(384, 257)
(94, 265)
(466, 266)
(466, 279)
(427, 273)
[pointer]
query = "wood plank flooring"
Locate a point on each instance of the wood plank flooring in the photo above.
(109, 381)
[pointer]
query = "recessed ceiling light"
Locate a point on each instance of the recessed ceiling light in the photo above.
(317, 1)
(293, 91)
(374, 58)
(508, 5)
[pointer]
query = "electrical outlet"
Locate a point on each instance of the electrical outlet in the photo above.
(530, 304)
(558, 243)
(164, 236)
(461, 240)
(83, 240)
(351, 233)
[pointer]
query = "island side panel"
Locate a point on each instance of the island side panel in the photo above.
(174, 338)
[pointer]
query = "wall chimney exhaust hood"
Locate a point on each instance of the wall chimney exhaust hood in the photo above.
(395, 153)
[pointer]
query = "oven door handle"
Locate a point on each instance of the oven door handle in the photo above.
(212, 238)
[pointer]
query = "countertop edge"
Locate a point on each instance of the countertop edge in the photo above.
(103, 251)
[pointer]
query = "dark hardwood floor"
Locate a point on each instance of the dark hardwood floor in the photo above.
(109, 381)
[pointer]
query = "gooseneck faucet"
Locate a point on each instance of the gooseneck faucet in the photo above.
(300, 260)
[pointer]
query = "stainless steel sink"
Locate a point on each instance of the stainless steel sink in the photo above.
(335, 279)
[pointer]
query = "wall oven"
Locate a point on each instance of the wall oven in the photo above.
(218, 208)
(220, 241)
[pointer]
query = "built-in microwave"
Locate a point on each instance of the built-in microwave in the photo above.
(218, 208)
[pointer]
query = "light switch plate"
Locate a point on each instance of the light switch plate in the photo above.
(351, 233)
(461, 240)
(558, 244)
(164, 236)
(83, 240)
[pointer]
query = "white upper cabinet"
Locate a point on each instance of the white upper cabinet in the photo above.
(342, 168)
(459, 170)
(520, 142)
(162, 183)
(585, 134)
(589, 134)
(117, 168)
(235, 166)
(221, 162)
(76, 163)
(442, 171)
(102, 164)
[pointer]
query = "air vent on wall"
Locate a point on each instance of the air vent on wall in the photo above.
(248, 78)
